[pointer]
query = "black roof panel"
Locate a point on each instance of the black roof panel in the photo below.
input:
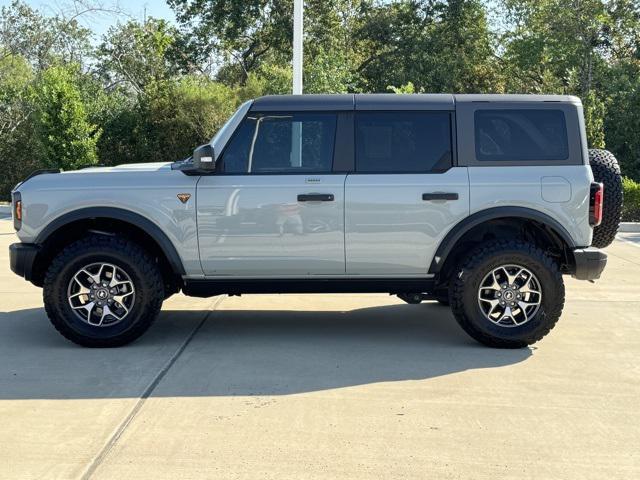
(389, 101)
(288, 103)
(516, 98)
(393, 101)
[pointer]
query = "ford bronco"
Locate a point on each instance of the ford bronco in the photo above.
(480, 202)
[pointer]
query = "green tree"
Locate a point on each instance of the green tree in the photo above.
(169, 118)
(15, 73)
(238, 32)
(561, 46)
(439, 46)
(16, 147)
(42, 40)
(231, 39)
(622, 123)
(179, 116)
(63, 135)
(136, 55)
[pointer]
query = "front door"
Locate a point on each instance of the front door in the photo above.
(405, 193)
(275, 208)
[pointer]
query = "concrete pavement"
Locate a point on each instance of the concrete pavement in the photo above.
(324, 386)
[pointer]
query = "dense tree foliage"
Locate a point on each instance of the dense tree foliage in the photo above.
(64, 137)
(151, 91)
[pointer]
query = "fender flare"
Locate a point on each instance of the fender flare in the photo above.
(478, 218)
(137, 220)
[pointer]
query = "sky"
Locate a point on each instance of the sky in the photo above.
(99, 23)
(137, 9)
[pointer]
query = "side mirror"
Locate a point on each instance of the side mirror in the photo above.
(204, 159)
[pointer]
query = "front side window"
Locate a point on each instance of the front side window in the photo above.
(403, 142)
(282, 143)
(520, 135)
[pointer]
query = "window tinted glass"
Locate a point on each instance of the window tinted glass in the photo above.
(403, 141)
(282, 143)
(513, 135)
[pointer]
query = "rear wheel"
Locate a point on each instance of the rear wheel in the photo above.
(507, 294)
(102, 291)
(606, 170)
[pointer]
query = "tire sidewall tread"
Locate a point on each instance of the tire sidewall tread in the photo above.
(142, 269)
(473, 269)
(606, 170)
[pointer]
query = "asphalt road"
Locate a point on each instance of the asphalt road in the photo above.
(324, 386)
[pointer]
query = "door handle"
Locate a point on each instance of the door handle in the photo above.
(440, 196)
(316, 197)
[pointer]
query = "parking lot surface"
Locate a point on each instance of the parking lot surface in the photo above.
(324, 386)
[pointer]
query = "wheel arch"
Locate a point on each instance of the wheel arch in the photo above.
(75, 223)
(483, 219)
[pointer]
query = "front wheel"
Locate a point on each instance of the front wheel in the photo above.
(103, 291)
(507, 294)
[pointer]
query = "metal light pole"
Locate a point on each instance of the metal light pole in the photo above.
(297, 46)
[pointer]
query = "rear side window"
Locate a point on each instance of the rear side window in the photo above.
(403, 142)
(521, 135)
(282, 143)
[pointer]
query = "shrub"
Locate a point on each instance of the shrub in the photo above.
(64, 135)
(631, 207)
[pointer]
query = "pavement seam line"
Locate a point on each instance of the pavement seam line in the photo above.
(622, 258)
(113, 440)
(626, 240)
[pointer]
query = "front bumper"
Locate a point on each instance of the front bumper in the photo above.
(590, 263)
(21, 259)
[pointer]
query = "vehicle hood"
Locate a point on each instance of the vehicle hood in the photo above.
(101, 177)
(129, 167)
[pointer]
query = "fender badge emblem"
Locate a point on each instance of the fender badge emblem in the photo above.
(184, 197)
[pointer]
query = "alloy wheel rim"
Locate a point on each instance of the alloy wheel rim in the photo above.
(509, 295)
(101, 294)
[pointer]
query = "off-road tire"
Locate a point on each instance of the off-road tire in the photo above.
(481, 261)
(606, 170)
(125, 254)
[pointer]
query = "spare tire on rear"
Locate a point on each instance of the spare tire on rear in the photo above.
(606, 170)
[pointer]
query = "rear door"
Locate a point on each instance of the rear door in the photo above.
(275, 207)
(405, 193)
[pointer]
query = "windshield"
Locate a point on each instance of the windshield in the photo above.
(222, 136)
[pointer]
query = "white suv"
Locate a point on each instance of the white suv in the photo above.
(478, 201)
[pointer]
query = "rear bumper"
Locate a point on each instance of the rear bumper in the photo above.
(21, 259)
(590, 263)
